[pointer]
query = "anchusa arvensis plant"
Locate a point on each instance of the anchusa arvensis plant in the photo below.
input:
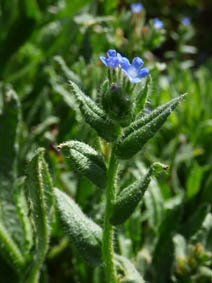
(123, 127)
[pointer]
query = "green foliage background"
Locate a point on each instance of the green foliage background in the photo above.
(43, 44)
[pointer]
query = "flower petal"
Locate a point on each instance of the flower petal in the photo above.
(126, 73)
(104, 60)
(137, 62)
(135, 80)
(158, 24)
(143, 73)
(136, 7)
(132, 79)
(119, 56)
(111, 53)
(125, 63)
(113, 62)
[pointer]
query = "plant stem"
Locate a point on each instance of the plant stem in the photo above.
(107, 243)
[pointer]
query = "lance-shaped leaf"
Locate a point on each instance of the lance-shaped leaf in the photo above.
(142, 96)
(68, 74)
(86, 236)
(9, 134)
(128, 199)
(164, 250)
(141, 130)
(10, 251)
(40, 197)
(86, 161)
(83, 232)
(126, 271)
(95, 116)
(23, 213)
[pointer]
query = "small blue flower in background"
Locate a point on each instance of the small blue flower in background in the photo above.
(158, 24)
(147, 110)
(134, 71)
(113, 59)
(136, 7)
(186, 21)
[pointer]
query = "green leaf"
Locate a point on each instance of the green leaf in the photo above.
(9, 134)
(23, 212)
(206, 195)
(110, 6)
(10, 251)
(153, 199)
(32, 9)
(141, 130)
(203, 235)
(117, 104)
(126, 270)
(40, 197)
(85, 235)
(193, 183)
(95, 116)
(164, 250)
(195, 220)
(128, 199)
(68, 74)
(86, 161)
(14, 39)
(142, 96)
(103, 90)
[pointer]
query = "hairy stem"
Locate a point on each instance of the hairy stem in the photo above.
(107, 245)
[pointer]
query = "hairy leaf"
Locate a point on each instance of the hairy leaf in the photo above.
(128, 199)
(142, 97)
(9, 134)
(40, 197)
(86, 161)
(95, 116)
(164, 250)
(10, 251)
(141, 130)
(23, 211)
(82, 231)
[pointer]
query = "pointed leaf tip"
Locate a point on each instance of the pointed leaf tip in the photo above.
(86, 161)
(95, 116)
(141, 130)
(128, 199)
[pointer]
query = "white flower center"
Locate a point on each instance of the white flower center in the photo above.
(132, 72)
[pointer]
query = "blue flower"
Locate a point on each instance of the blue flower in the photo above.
(134, 71)
(158, 24)
(113, 59)
(136, 7)
(186, 21)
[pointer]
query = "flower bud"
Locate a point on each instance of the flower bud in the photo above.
(117, 104)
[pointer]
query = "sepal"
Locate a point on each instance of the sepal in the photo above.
(117, 104)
